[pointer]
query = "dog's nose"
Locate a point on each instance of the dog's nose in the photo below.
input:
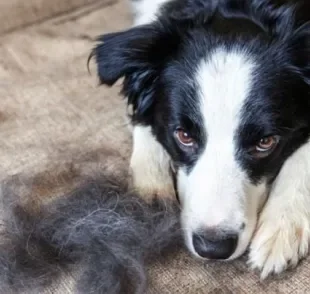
(211, 245)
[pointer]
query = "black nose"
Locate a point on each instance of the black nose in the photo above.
(211, 245)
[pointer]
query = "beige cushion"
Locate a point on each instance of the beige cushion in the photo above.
(56, 124)
(15, 14)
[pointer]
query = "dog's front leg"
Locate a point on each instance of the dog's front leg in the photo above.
(150, 166)
(282, 236)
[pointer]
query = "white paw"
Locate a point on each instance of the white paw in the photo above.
(150, 190)
(150, 166)
(281, 239)
(151, 183)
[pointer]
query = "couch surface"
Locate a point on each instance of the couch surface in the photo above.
(56, 124)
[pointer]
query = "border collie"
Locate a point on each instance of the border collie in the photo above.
(219, 95)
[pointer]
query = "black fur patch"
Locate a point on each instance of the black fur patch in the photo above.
(105, 232)
(158, 62)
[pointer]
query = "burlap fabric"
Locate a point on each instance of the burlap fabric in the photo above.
(56, 124)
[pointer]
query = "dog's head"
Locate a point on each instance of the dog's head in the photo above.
(225, 90)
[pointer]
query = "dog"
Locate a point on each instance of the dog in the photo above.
(218, 93)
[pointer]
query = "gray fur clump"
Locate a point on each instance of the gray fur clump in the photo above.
(102, 230)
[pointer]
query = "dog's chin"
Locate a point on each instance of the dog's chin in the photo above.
(243, 243)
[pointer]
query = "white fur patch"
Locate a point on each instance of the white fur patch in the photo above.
(145, 11)
(150, 165)
(217, 193)
(283, 233)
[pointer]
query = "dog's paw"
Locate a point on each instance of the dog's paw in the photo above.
(150, 193)
(150, 187)
(281, 240)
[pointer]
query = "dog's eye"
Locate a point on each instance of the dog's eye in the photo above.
(184, 137)
(266, 145)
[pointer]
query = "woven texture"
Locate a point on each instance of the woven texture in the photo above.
(27, 12)
(56, 123)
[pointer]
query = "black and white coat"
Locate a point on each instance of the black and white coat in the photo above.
(219, 90)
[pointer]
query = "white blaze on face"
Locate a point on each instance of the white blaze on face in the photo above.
(216, 193)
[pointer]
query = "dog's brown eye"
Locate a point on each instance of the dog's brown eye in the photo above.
(267, 144)
(184, 137)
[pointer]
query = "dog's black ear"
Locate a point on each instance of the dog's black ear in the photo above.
(137, 55)
(118, 54)
(140, 48)
(273, 17)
